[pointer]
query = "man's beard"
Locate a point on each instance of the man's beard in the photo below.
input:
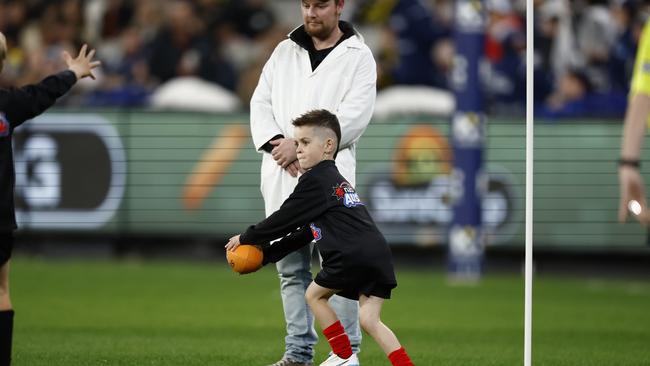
(321, 32)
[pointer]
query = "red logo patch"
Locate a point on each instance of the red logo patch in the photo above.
(339, 192)
(341, 189)
(4, 125)
(315, 232)
(345, 191)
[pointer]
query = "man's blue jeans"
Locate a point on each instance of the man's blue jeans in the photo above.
(295, 277)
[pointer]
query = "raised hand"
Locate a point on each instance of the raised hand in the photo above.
(83, 65)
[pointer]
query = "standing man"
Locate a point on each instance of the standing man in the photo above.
(632, 189)
(324, 64)
(17, 106)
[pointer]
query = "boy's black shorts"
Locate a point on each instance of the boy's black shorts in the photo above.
(6, 246)
(351, 289)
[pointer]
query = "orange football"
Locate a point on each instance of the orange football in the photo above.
(245, 259)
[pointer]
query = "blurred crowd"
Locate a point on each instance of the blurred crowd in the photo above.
(146, 43)
(417, 47)
(142, 43)
(584, 56)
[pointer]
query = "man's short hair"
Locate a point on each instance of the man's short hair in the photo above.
(321, 118)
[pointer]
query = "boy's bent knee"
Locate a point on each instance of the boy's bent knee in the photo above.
(311, 296)
(368, 321)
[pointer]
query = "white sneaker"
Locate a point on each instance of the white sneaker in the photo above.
(334, 360)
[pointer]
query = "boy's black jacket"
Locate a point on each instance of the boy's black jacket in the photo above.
(324, 207)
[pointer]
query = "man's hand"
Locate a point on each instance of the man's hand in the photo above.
(285, 155)
(233, 243)
(294, 168)
(83, 65)
(632, 189)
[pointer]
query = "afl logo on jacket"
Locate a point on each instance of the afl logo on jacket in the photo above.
(4, 125)
(345, 191)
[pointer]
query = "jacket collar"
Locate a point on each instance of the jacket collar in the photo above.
(302, 39)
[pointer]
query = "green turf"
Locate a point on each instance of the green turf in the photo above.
(131, 313)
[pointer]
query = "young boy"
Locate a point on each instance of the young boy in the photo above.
(325, 208)
(17, 106)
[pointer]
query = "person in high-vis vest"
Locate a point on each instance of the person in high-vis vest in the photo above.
(632, 189)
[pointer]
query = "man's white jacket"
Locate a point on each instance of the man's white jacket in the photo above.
(344, 83)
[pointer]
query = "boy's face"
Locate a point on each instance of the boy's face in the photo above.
(312, 145)
(321, 17)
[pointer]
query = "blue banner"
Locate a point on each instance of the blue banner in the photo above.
(468, 184)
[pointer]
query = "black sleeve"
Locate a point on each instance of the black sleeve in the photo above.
(296, 240)
(307, 202)
(268, 147)
(22, 104)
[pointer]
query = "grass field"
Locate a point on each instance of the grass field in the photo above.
(161, 313)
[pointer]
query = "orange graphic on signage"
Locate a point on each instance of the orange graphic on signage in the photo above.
(213, 165)
(420, 155)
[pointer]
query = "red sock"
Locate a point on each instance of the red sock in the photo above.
(400, 358)
(338, 340)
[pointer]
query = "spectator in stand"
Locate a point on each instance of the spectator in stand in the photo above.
(182, 49)
(126, 81)
(555, 49)
(505, 84)
(249, 18)
(117, 16)
(595, 35)
(629, 26)
(575, 97)
(247, 33)
(411, 32)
